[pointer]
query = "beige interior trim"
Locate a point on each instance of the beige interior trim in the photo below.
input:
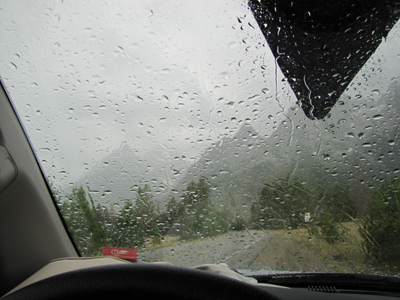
(63, 265)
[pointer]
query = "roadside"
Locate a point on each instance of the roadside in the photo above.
(275, 250)
(237, 249)
(296, 250)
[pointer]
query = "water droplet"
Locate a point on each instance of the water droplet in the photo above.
(265, 91)
(13, 66)
(377, 117)
(253, 97)
(376, 92)
(331, 93)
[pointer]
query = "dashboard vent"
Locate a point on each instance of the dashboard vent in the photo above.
(319, 288)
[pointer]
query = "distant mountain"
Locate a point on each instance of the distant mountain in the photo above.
(118, 175)
(357, 142)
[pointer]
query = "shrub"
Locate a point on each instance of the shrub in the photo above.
(380, 229)
(328, 227)
(335, 208)
(283, 204)
(198, 217)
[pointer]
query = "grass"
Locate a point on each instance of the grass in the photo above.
(168, 241)
(345, 255)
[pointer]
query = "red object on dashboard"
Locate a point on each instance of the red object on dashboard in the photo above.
(124, 253)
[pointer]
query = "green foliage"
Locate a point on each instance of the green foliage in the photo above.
(381, 227)
(340, 203)
(282, 204)
(333, 209)
(93, 227)
(98, 234)
(83, 222)
(128, 230)
(168, 220)
(199, 217)
(197, 195)
(238, 223)
(328, 227)
(147, 214)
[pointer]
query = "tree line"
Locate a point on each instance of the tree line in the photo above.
(193, 216)
(283, 204)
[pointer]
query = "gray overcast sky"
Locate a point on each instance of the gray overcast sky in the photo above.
(89, 77)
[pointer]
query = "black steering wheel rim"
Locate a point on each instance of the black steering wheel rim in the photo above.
(139, 280)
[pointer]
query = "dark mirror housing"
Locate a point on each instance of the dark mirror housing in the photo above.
(320, 45)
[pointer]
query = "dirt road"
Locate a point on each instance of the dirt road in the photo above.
(247, 251)
(238, 249)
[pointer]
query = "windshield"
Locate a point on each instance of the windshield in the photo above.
(179, 129)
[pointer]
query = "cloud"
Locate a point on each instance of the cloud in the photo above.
(156, 75)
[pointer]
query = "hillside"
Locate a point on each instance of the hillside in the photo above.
(356, 144)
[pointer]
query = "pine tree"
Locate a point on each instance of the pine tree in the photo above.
(77, 223)
(168, 219)
(146, 211)
(128, 230)
(199, 217)
(97, 234)
(283, 204)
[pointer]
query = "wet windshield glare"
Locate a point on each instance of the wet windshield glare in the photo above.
(169, 127)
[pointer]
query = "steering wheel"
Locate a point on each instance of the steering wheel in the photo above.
(137, 281)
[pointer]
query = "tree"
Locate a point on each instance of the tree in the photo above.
(197, 195)
(128, 230)
(168, 219)
(381, 227)
(199, 218)
(147, 214)
(334, 208)
(283, 204)
(83, 222)
(77, 224)
(97, 234)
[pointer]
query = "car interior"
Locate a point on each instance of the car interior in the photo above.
(39, 257)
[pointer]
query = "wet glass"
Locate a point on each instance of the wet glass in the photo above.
(170, 128)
